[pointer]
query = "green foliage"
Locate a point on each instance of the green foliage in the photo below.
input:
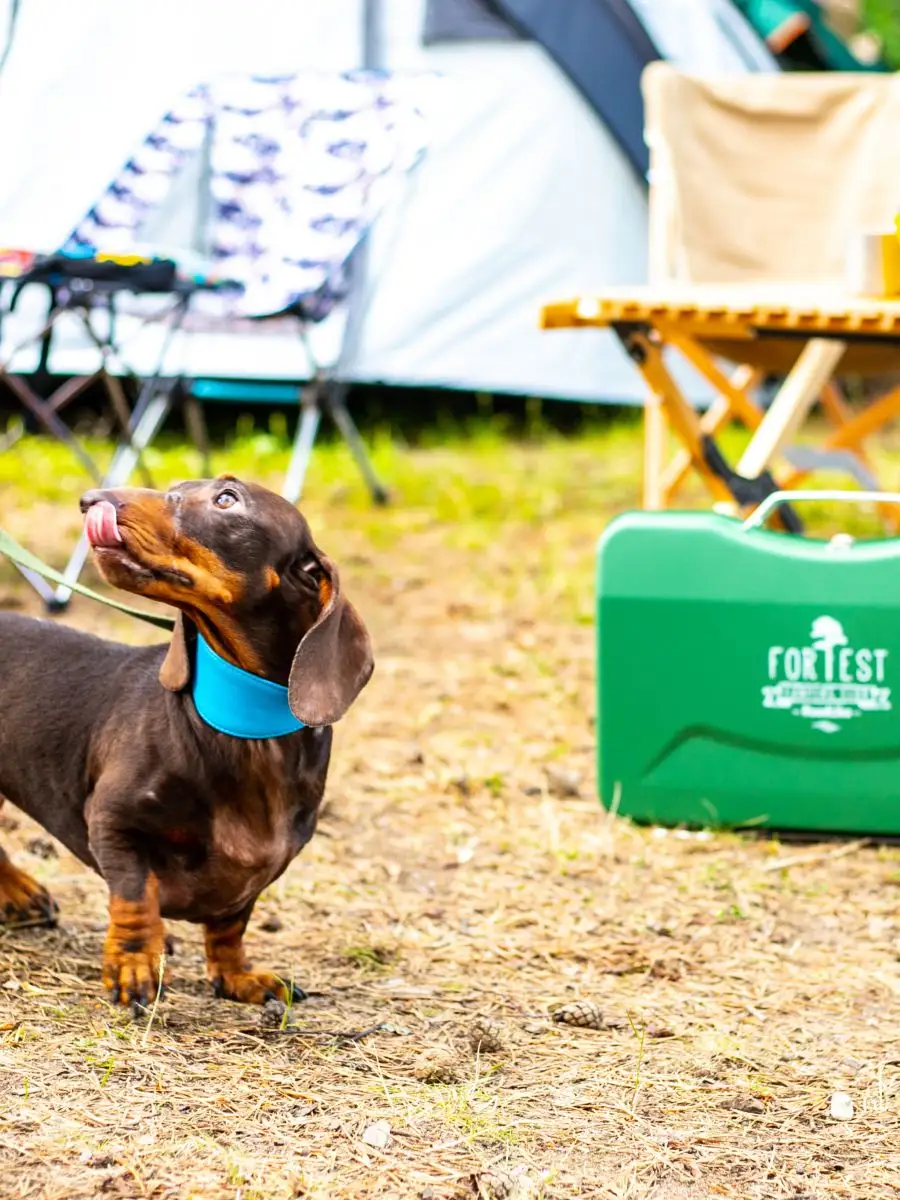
(469, 488)
(460, 490)
(883, 18)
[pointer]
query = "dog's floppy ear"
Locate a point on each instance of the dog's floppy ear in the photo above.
(175, 673)
(333, 662)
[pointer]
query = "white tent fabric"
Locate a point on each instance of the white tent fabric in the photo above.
(523, 196)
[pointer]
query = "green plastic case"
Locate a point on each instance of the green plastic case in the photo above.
(745, 677)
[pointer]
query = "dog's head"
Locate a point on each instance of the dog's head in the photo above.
(240, 563)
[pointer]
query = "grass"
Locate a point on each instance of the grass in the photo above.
(450, 883)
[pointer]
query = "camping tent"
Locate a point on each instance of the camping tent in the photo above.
(532, 186)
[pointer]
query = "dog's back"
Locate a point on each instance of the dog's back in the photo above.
(55, 684)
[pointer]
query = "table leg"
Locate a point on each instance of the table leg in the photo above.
(680, 415)
(732, 402)
(656, 435)
(734, 389)
(800, 390)
(850, 435)
(872, 418)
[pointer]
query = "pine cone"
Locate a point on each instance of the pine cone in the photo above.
(271, 1015)
(486, 1036)
(583, 1013)
(493, 1185)
(438, 1068)
(503, 1185)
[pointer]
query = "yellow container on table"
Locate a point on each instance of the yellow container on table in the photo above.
(873, 263)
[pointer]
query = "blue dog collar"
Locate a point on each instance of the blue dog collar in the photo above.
(235, 702)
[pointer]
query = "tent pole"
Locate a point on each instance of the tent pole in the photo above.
(359, 294)
(372, 42)
(10, 32)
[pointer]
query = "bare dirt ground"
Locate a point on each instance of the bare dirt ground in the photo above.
(465, 885)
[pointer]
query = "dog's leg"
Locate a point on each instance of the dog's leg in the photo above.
(22, 900)
(231, 976)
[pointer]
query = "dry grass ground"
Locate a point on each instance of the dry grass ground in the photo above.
(465, 884)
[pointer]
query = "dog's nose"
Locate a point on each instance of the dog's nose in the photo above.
(89, 499)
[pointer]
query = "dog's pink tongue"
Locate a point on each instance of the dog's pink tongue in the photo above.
(100, 525)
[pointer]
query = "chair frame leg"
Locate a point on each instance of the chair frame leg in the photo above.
(304, 440)
(195, 420)
(335, 403)
(331, 394)
(45, 415)
(40, 585)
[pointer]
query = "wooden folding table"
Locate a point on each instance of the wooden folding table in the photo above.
(808, 334)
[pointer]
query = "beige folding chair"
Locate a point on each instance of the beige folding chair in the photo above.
(758, 187)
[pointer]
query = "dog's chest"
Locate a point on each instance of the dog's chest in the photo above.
(257, 822)
(248, 849)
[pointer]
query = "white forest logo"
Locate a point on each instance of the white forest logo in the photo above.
(829, 680)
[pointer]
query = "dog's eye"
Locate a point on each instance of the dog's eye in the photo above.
(226, 499)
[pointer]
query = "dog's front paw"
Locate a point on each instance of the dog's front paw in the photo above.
(132, 976)
(132, 968)
(22, 900)
(254, 987)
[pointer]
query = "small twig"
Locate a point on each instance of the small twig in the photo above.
(134, 1173)
(339, 1035)
(640, 1059)
(34, 923)
(802, 860)
(286, 1015)
(357, 1035)
(14, 431)
(159, 991)
(613, 811)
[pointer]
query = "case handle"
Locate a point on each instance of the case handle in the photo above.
(759, 515)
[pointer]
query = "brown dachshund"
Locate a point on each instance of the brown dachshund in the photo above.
(189, 775)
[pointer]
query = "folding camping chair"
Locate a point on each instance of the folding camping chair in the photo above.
(758, 186)
(778, 219)
(292, 173)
